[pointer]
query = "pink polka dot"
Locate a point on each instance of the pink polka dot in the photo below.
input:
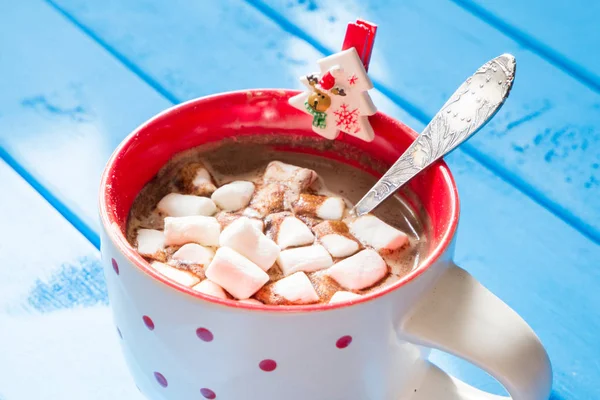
(208, 394)
(204, 334)
(268, 365)
(115, 266)
(343, 342)
(148, 322)
(160, 378)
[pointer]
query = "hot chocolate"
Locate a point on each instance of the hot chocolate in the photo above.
(263, 226)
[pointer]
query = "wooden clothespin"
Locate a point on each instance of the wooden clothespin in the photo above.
(361, 36)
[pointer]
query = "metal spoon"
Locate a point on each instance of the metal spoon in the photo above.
(468, 110)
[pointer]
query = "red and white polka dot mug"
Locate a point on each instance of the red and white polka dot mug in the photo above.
(181, 344)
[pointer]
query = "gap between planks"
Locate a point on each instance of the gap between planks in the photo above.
(62, 209)
(552, 56)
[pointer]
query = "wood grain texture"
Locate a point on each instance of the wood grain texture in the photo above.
(425, 48)
(540, 265)
(69, 103)
(67, 354)
(47, 264)
(55, 326)
(564, 32)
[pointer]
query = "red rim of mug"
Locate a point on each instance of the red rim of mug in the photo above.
(114, 230)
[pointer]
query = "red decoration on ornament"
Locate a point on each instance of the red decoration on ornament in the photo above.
(361, 36)
(327, 81)
(346, 118)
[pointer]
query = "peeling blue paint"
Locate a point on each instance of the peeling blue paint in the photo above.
(78, 285)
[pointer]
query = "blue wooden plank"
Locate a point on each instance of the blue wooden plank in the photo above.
(67, 354)
(425, 48)
(55, 327)
(47, 264)
(522, 258)
(541, 266)
(565, 33)
(70, 103)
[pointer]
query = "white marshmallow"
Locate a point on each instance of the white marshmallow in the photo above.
(210, 288)
(293, 232)
(359, 271)
(235, 273)
(340, 296)
(202, 177)
(233, 196)
(258, 224)
(372, 231)
(242, 236)
(225, 218)
(251, 213)
(195, 229)
(270, 198)
(193, 253)
(296, 288)
(250, 301)
(183, 205)
(150, 241)
(307, 259)
(297, 178)
(332, 208)
(183, 277)
(339, 245)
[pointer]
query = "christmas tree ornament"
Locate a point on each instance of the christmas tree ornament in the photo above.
(337, 98)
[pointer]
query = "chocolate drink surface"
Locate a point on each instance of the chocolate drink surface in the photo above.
(250, 223)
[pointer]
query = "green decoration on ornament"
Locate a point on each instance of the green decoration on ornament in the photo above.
(319, 118)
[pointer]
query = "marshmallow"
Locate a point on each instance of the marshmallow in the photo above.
(296, 178)
(233, 196)
(296, 288)
(150, 242)
(307, 259)
(196, 179)
(359, 271)
(210, 288)
(202, 177)
(340, 296)
(242, 236)
(289, 231)
(269, 199)
(327, 227)
(257, 224)
(331, 208)
(250, 301)
(251, 213)
(336, 238)
(193, 253)
(338, 245)
(226, 218)
(183, 205)
(194, 229)
(235, 273)
(182, 277)
(373, 232)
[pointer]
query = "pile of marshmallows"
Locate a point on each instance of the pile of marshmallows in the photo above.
(233, 220)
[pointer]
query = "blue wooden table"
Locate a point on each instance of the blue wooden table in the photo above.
(77, 76)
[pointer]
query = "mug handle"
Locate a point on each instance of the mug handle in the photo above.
(461, 317)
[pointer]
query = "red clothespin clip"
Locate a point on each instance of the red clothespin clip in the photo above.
(361, 36)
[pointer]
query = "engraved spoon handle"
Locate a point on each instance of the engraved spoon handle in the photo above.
(468, 110)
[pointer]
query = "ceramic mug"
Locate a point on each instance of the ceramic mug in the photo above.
(181, 344)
